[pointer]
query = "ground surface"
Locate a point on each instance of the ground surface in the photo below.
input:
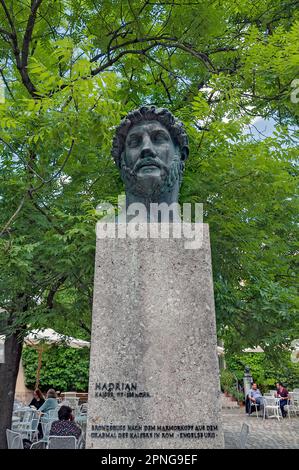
(263, 434)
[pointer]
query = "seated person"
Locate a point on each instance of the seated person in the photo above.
(65, 426)
(283, 394)
(37, 400)
(51, 402)
(254, 397)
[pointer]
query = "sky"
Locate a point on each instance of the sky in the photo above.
(261, 128)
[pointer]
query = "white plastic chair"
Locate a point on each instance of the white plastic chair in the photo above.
(293, 404)
(73, 402)
(14, 439)
(25, 422)
(32, 431)
(38, 445)
(81, 441)
(237, 442)
(62, 442)
(257, 407)
(17, 405)
(243, 436)
(52, 415)
(81, 420)
(25, 414)
(296, 396)
(271, 404)
(46, 427)
(83, 408)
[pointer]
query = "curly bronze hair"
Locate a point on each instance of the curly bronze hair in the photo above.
(150, 113)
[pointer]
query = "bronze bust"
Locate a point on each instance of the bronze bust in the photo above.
(150, 148)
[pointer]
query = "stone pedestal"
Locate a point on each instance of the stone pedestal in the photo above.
(154, 378)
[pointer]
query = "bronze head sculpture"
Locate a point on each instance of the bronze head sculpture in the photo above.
(150, 147)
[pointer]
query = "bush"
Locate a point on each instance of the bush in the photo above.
(227, 379)
(239, 396)
(62, 368)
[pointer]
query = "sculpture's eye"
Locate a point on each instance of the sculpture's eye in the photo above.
(134, 140)
(158, 137)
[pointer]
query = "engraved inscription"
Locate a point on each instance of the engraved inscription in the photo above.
(119, 390)
(150, 431)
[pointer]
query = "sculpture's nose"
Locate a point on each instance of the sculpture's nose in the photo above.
(147, 148)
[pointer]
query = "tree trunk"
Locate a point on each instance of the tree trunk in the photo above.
(8, 378)
(39, 366)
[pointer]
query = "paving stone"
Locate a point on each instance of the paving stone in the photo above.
(264, 434)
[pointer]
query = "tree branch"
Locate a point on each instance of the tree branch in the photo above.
(6, 84)
(53, 291)
(29, 30)
(13, 216)
(6, 33)
(49, 219)
(22, 58)
(21, 158)
(8, 16)
(121, 54)
(132, 42)
(58, 172)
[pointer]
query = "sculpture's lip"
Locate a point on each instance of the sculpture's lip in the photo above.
(148, 164)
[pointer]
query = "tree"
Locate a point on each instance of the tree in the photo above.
(71, 70)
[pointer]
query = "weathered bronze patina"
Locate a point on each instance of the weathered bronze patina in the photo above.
(150, 148)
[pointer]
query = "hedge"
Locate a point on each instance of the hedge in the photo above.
(63, 368)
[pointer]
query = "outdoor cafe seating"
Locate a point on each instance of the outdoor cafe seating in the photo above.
(270, 406)
(25, 422)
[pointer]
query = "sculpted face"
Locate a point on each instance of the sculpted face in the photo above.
(150, 161)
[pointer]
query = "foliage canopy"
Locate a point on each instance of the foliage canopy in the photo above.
(71, 70)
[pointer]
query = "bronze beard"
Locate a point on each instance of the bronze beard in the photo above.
(168, 179)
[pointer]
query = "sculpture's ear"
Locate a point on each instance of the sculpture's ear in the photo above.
(184, 153)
